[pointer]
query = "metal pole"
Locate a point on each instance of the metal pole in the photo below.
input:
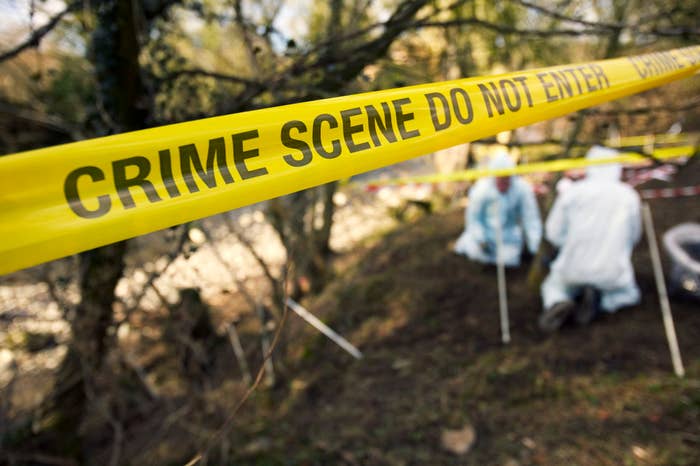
(502, 296)
(323, 328)
(663, 296)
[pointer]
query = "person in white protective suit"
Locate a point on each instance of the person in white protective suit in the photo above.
(507, 203)
(595, 224)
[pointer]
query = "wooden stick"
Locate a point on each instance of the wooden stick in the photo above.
(500, 267)
(663, 295)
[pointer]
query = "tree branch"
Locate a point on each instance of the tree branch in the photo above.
(356, 59)
(509, 29)
(213, 74)
(678, 31)
(35, 38)
(251, 249)
(49, 122)
(569, 19)
(596, 30)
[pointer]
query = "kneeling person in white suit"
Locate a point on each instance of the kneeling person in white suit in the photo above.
(595, 224)
(507, 203)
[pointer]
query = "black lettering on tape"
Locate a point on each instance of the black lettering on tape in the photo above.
(166, 173)
(657, 60)
(571, 73)
(563, 85)
(122, 183)
(438, 124)
(522, 80)
(641, 72)
(70, 190)
(240, 155)
(512, 106)
(349, 129)
(587, 77)
(402, 118)
(318, 136)
(655, 63)
(492, 96)
(189, 157)
(301, 146)
(457, 94)
(666, 62)
(676, 65)
(648, 64)
(386, 126)
(546, 85)
(599, 72)
(692, 56)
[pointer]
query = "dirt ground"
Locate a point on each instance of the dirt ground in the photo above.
(427, 323)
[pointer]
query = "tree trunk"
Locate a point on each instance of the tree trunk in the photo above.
(305, 236)
(64, 410)
(114, 51)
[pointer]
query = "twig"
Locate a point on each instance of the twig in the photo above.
(218, 435)
(64, 305)
(265, 341)
(251, 249)
(141, 374)
(49, 122)
(35, 38)
(173, 418)
(570, 19)
(174, 254)
(102, 408)
(215, 75)
(238, 351)
(598, 30)
(241, 285)
(503, 29)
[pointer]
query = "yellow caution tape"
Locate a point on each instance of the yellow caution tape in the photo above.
(627, 158)
(651, 139)
(66, 199)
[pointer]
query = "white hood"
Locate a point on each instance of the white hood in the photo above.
(500, 160)
(606, 172)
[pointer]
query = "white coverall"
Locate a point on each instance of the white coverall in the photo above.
(595, 223)
(516, 210)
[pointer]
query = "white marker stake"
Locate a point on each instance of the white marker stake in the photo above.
(323, 328)
(502, 297)
(663, 296)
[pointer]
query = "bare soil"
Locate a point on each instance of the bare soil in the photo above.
(427, 323)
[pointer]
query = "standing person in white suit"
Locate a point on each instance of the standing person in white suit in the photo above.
(505, 202)
(595, 224)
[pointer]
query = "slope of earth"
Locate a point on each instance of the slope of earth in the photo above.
(427, 323)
